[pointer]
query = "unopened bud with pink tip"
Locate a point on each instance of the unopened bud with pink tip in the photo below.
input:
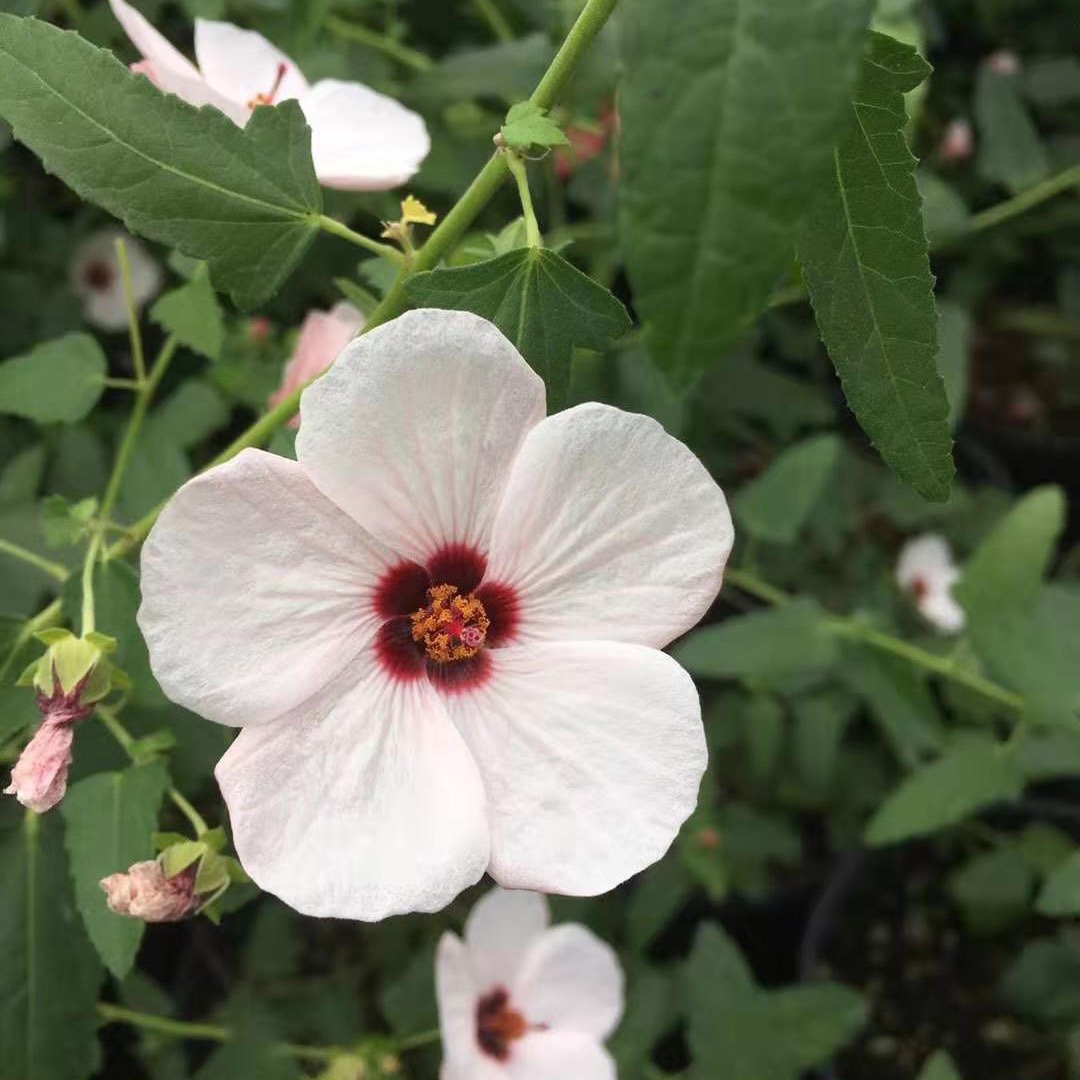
(144, 892)
(72, 675)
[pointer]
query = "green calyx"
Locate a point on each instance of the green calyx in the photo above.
(72, 663)
(214, 872)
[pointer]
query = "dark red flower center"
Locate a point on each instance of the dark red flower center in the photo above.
(498, 1024)
(440, 620)
(98, 274)
(920, 587)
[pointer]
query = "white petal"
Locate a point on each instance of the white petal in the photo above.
(553, 1055)
(257, 591)
(152, 45)
(926, 556)
(591, 753)
(106, 309)
(362, 140)
(457, 994)
(145, 272)
(609, 529)
(940, 608)
(374, 809)
(414, 428)
(500, 930)
(241, 64)
(571, 981)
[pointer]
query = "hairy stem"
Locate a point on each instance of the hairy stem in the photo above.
(521, 178)
(847, 627)
(53, 569)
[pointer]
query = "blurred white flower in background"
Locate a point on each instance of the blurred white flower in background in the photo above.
(96, 280)
(440, 629)
(926, 571)
(360, 140)
(519, 999)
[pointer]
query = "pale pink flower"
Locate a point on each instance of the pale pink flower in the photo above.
(39, 778)
(957, 140)
(96, 281)
(360, 140)
(519, 1000)
(144, 892)
(925, 569)
(322, 336)
(440, 629)
(1004, 62)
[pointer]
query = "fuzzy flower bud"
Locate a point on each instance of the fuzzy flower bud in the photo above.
(144, 892)
(39, 779)
(68, 679)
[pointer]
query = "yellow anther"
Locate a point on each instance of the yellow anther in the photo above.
(451, 627)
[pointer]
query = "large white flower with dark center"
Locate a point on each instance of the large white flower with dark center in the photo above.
(440, 629)
(360, 140)
(521, 1001)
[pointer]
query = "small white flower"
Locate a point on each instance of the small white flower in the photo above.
(96, 281)
(519, 1000)
(360, 140)
(925, 569)
(440, 629)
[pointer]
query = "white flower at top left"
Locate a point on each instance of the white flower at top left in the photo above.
(360, 140)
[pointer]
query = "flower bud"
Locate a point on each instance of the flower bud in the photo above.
(144, 892)
(39, 779)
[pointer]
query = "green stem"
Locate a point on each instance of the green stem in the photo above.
(845, 626)
(122, 384)
(144, 396)
(43, 620)
(496, 20)
(422, 1038)
(53, 569)
(134, 333)
(385, 44)
(92, 551)
(521, 178)
(385, 251)
(197, 821)
(1023, 202)
(450, 230)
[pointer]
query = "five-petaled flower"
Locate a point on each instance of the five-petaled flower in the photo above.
(440, 629)
(519, 999)
(322, 336)
(97, 281)
(925, 569)
(360, 140)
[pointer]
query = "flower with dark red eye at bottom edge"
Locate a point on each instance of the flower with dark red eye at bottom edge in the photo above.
(520, 999)
(926, 571)
(96, 280)
(440, 629)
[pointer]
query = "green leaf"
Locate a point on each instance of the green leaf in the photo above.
(244, 200)
(960, 783)
(192, 313)
(954, 356)
(110, 820)
(64, 523)
(21, 476)
(193, 412)
(740, 1032)
(819, 723)
(1043, 982)
(527, 125)
(939, 1066)
(993, 890)
(727, 118)
(57, 382)
(1010, 150)
(50, 976)
(251, 1053)
(545, 306)
(1061, 893)
(777, 504)
(863, 252)
(763, 646)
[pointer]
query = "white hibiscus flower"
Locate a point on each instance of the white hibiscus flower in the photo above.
(926, 571)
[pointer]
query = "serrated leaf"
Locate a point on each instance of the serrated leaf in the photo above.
(244, 200)
(545, 306)
(762, 646)
(527, 125)
(777, 504)
(1010, 150)
(740, 1032)
(57, 382)
(110, 820)
(961, 782)
(192, 313)
(1061, 893)
(728, 112)
(864, 256)
(50, 975)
